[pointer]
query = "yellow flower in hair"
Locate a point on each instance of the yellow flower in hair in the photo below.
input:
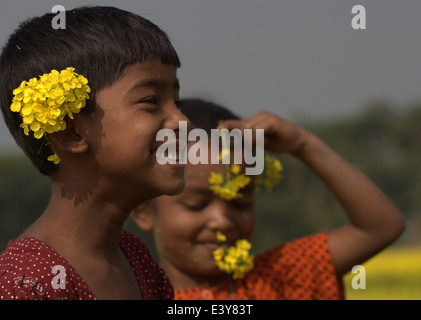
(44, 103)
(239, 182)
(228, 189)
(54, 158)
(235, 260)
(271, 176)
(228, 184)
(224, 154)
(216, 178)
(235, 168)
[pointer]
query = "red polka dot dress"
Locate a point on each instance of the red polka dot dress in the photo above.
(298, 270)
(31, 270)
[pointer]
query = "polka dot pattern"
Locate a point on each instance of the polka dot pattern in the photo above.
(301, 269)
(26, 272)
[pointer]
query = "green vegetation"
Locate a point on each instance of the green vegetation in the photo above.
(24, 193)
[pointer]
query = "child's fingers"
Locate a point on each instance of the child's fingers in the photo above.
(266, 121)
(260, 120)
(231, 124)
(280, 135)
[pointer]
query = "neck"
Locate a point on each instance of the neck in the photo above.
(80, 223)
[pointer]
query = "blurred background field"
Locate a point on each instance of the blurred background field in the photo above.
(380, 141)
(394, 274)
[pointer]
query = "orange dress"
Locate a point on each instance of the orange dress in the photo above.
(301, 269)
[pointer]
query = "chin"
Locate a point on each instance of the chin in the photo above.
(176, 190)
(171, 187)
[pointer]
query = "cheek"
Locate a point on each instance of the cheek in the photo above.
(164, 241)
(130, 145)
(246, 223)
(174, 230)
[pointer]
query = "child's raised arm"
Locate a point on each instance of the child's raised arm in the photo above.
(374, 221)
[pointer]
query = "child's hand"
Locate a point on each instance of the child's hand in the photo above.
(374, 221)
(281, 136)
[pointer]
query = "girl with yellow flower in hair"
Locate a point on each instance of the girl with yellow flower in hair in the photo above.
(202, 234)
(85, 104)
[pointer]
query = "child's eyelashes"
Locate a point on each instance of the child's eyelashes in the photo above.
(151, 100)
(194, 207)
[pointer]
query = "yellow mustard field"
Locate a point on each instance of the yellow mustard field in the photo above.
(393, 274)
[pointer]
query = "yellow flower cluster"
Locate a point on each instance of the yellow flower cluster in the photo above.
(227, 185)
(234, 260)
(271, 176)
(44, 103)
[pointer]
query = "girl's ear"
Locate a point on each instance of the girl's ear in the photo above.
(142, 216)
(69, 139)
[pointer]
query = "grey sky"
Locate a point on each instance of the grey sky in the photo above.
(296, 58)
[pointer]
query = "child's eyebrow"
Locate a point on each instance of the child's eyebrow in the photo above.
(154, 83)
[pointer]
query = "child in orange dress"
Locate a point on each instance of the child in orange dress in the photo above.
(188, 228)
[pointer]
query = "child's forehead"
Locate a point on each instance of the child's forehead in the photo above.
(147, 73)
(197, 178)
(202, 170)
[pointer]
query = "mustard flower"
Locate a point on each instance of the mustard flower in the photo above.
(44, 103)
(235, 260)
(220, 237)
(271, 175)
(216, 178)
(229, 189)
(227, 185)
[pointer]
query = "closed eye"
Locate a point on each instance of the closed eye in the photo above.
(194, 207)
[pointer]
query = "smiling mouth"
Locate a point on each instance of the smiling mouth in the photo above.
(174, 153)
(213, 245)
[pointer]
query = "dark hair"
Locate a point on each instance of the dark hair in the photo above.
(99, 42)
(204, 114)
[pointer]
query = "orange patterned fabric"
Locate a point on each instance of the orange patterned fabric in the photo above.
(301, 269)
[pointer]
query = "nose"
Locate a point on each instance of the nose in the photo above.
(220, 217)
(175, 117)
